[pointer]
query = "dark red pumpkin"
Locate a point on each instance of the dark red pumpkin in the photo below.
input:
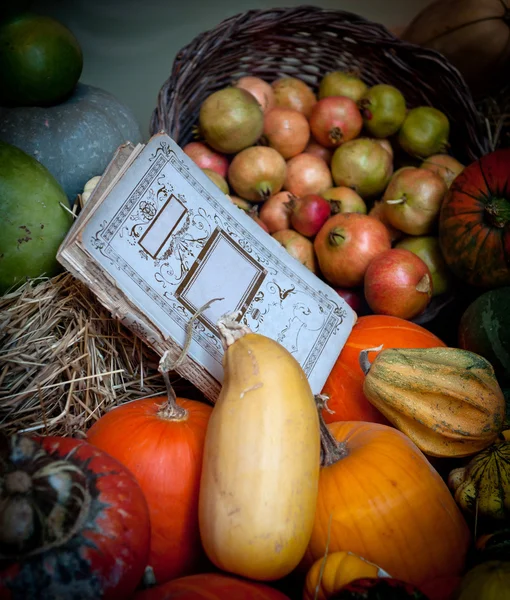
(474, 222)
(211, 586)
(74, 522)
(378, 588)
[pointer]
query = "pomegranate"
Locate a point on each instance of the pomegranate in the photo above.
(339, 83)
(345, 246)
(424, 132)
(298, 247)
(255, 216)
(217, 179)
(335, 120)
(413, 199)
(309, 213)
(427, 248)
(384, 109)
(377, 211)
(240, 203)
(386, 145)
(206, 158)
(290, 92)
(363, 165)
(316, 149)
(353, 297)
(286, 130)
(398, 283)
(443, 165)
(230, 120)
(257, 173)
(260, 89)
(307, 174)
(343, 199)
(275, 212)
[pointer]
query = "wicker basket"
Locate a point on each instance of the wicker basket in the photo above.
(307, 42)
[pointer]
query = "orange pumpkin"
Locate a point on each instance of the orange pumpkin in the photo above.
(211, 586)
(380, 498)
(344, 385)
(161, 441)
(332, 572)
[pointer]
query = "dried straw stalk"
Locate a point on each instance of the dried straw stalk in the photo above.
(64, 361)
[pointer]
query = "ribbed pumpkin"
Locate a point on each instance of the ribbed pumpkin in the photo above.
(344, 385)
(447, 400)
(473, 34)
(380, 498)
(210, 586)
(329, 574)
(482, 488)
(161, 441)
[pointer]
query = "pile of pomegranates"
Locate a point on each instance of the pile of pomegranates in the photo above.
(349, 180)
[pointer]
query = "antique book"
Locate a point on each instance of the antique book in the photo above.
(157, 240)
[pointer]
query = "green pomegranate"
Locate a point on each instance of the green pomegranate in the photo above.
(383, 108)
(424, 132)
(230, 120)
(427, 248)
(339, 83)
(33, 219)
(363, 165)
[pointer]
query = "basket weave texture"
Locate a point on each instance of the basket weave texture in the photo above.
(307, 42)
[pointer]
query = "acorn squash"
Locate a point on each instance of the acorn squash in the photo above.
(447, 400)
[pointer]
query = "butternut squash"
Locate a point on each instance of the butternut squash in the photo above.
(260, 471)
(447, 400)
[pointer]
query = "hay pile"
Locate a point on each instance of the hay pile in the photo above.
(64, 361)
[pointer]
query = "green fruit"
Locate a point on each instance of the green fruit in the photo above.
(40, 61)
(363, 165)
(384, 109)
(427, 248)
(338, 83)
(484, 328)
(424, 132)
(33, 223)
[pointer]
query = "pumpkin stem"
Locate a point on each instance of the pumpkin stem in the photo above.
(44, 501)
(231, 329)
(364, 363)
(171, 410)
(331, 449)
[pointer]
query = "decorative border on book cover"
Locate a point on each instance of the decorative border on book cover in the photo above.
(192, 249)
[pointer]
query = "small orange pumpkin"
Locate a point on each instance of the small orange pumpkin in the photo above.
(329, 574)
(161, 441)
(380, 498)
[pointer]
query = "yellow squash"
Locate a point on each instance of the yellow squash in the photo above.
(260, 473)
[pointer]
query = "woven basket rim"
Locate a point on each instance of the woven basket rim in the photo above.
(171, 101)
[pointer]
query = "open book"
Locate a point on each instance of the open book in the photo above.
(157, 240)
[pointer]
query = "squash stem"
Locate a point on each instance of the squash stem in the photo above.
(364, 362)
(331, 449)
(231, 330)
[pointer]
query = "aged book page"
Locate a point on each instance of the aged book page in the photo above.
(159, 240)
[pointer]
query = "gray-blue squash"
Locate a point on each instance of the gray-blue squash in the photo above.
(74, 140)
